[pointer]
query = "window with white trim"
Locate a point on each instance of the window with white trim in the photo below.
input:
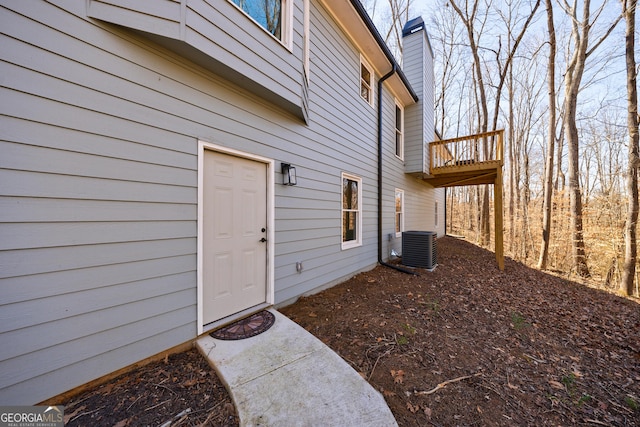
(399, 212)
(366, 81)
(436, 214)
(306, 27)
(272, 15)
(351, 211)
(399, 131)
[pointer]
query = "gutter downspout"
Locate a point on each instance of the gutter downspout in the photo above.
(394, 69)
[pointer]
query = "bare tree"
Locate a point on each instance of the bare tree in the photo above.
(551, 139)
(630, 255)
(449, 66)
(399, 10)
(474, 23)
(580, 32)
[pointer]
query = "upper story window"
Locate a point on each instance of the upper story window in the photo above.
(399, 212)
(399, 131)
(351, 211)
(366, 81)
(270, 14)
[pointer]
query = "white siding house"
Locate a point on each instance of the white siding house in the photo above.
(141, 187)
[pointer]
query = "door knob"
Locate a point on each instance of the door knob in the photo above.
(263, 240)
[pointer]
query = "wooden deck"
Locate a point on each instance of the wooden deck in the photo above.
(468, 160)
(471, 160)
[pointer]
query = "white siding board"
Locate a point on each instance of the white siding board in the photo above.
(54, 161)
(67, 377)
(52, 234)
(87, 99)
(286, 247)
(63, 282)
(36, 109)
(284, 215)
(303, 224)
(164, 26)
(35, 184)
(165, 9)
(47, 135)
(31, 365)
(26, 209)
(44, 260)
(55, 320)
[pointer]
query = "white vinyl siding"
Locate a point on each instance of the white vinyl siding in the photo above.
(220, 37)
(419, 128)
(99, 177)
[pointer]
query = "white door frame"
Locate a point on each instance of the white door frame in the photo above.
(270, 294)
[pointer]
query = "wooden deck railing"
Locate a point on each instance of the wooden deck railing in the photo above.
(466, 152)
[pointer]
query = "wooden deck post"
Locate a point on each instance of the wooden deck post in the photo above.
(499, 223)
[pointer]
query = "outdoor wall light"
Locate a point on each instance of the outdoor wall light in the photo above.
(288, 174)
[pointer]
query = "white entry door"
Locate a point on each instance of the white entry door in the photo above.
(234, 235)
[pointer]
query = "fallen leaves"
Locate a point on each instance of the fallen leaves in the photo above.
(398, 376)
(191, 382)
(557, 385)
(181, 388)
(413, 408)
(466, 317)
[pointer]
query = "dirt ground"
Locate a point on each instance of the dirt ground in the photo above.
(469, 345)
(464, 345)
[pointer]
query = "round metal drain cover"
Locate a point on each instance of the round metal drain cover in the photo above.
(245, 328)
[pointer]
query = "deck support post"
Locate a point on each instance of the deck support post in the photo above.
(499, 223)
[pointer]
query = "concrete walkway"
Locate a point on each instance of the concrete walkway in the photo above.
(287, 377)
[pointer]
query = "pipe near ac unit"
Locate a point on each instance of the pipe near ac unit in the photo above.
(380, 260)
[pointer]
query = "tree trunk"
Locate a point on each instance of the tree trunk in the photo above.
(575, 192)
(485, 223)
(630, 256)
(468, 21)
(551, 137)
(512, 181)
(572, 81)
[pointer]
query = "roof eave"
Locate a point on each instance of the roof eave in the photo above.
(356, 23)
